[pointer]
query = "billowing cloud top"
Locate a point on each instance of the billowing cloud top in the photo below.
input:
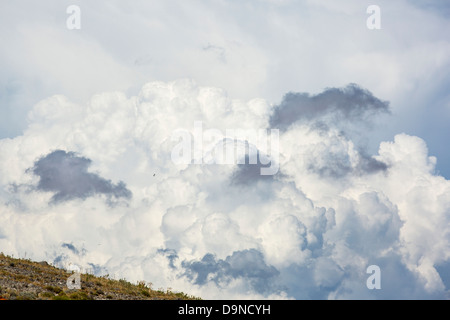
(221, 230)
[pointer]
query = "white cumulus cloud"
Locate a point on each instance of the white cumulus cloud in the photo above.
(94, 185)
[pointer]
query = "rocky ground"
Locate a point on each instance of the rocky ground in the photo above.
(22, 279)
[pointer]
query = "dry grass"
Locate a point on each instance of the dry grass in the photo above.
(22, 279)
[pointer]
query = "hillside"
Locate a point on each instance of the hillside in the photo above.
(22, 279)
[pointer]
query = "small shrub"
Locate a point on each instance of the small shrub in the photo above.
(145, 293)
(53, 289)
(47, 294)
(20, 277)
(98, 292)
(79, 296)
(26, 296)
(125, 283)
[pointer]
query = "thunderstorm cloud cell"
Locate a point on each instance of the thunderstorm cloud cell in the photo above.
(350, 123)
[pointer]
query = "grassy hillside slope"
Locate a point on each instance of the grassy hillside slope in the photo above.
(22, 279)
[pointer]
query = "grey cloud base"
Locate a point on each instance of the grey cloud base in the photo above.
(247, 264)
(66, 174)
(334, 105)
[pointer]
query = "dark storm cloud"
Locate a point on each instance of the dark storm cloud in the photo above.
(248, 264)
(66, 174)
(171, 256)
(338, 165)
(349, 103)
(367, 164)
(71, 247)
(248, 173)
(96, 269)
(335, 166)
